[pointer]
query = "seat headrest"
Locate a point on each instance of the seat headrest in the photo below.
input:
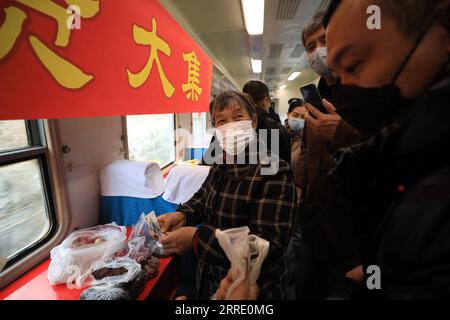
(128, 178)
(183, 181)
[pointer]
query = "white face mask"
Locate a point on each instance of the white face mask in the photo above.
(318, 62)
(234, 137)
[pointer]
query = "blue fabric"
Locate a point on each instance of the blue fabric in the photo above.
(194, 153)
(125, 211)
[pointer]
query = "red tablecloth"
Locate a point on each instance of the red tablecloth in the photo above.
(34, 285)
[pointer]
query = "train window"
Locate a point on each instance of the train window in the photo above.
(23, 214)
(151, 138)
(27, 216)
(13, 135)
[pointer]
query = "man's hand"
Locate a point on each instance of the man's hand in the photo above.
(244, 291)
(179, 241)
(321, 124)
(171, 221)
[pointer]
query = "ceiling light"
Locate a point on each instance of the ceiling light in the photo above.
(253, 16)
(283, 87)
(256, 65)
(294, 76)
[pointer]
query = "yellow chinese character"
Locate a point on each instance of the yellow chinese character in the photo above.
(191, 88)
(150, 38)
(64, 72)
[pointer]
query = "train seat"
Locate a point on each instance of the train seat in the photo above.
(129, 188)
(183, 181)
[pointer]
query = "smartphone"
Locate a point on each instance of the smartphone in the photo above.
(312, 96)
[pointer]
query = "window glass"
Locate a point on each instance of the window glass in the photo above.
(24, 219)
(13, 135)
(151, 138)
(199, 124)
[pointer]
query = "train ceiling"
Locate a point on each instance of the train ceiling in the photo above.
(218, 26)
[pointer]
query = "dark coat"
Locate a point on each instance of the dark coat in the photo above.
(400, 182)
(266, 122)
(296, 147)
(274, 116)
(238, 195)
(325, 220)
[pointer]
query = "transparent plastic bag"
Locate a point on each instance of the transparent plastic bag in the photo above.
(72, 261)
(115, 279)
(105, 292)
(141, 246)
(137, 250)
(148, 227)
(258, 251)
(133, 269)
(245, 252)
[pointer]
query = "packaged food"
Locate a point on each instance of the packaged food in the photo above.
(73, 260)
(116, 279)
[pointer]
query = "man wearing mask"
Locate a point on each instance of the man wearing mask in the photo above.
(395, 84)
(259, 91)
(328, 255)
(260, 94)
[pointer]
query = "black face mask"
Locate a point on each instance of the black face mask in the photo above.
(368, 110)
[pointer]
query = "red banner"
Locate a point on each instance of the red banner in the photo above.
(85, 58)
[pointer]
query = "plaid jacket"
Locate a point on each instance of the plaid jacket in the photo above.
(238, 195)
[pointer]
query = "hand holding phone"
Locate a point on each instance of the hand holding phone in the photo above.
(312, 96)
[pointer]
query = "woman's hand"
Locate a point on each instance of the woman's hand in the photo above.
(179, 241)
(169, 222)
(244, 291)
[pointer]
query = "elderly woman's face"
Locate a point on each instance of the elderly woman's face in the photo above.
(232, 113)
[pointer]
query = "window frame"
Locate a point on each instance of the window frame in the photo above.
(37, 150)
(125, 137)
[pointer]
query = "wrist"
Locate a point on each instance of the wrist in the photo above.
(195, 241)
(182, 218)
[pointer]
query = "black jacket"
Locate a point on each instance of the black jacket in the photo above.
(326, 224)
(274, 116)
(400, 185)
(266, 122)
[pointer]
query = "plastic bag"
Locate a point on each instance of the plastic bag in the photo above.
(148, 227)
(137, 249)
(116, 279)
(131, 268)
(141, 247)
(258, 251)
(105, 292)
(151, 267)
(245, 252)
(72, 261)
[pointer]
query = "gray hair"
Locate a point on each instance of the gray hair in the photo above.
(227, 98)
(313, 25)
